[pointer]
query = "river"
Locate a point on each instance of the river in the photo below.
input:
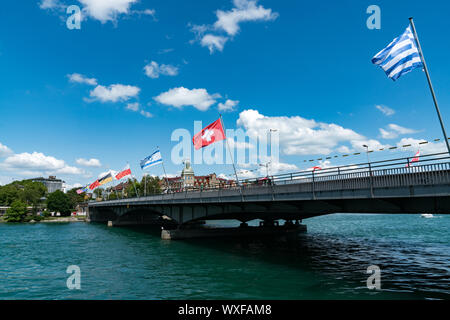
(330, 261)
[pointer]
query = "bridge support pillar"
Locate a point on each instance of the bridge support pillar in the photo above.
(244, 231)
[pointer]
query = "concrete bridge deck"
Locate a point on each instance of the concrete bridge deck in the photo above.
(381, 187)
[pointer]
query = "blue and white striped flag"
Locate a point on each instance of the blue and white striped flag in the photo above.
(151, 160)
(400, 56)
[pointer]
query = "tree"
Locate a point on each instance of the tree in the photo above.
(17, 212)
(152, 185)
(130, 189)
(60, 202)
(75, 198)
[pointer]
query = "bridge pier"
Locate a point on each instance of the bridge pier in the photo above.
(243, 231)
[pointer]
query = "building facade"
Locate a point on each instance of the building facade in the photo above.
(51, 183)
(188, 181)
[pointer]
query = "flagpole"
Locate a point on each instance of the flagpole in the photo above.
(229, 151)
(165, 174)
(429, 83)
(134, 185)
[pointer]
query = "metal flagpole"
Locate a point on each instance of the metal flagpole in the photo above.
(134, 184)
(165, 174)
(229, 151)
(429, 83)
(145, 184)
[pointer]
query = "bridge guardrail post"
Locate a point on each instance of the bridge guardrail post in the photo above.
(371, 180)
(313, 186)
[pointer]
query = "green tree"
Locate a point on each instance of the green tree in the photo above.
(75, 198)
(152, 185)
(17, 212)
(130, 189)
(60, 202)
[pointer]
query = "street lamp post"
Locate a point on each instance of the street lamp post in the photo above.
(367, 152)
(270, 148)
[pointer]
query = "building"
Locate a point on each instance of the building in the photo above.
(188, 180)
(51, 183)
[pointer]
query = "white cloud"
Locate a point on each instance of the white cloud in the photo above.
(49, 4)
(213, 42)
(136, 108)
(106, 10)
(95, 163)
(114, 93)
(79, 78)
(133, 106)
(239, 145)
(395, 131)
(244, 10)
(386, 110)
(228, 22)
(146, 114)
(299, 136)
(154, 70)
(4, 151)
(180, 97)
(429, 148)
(37, 163)
(228, 105)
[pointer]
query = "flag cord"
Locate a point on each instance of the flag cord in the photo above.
(430, 83)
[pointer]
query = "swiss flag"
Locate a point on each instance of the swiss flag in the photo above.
(212, 133)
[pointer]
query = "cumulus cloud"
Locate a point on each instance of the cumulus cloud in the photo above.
(228, 23)
(49, 4)
(106, 10)
(37, 163)
(386, 110)
(154, 70)
(428, 148)
(300, 136)
(133, 106)
(181, 97)
(95, 163)
(146, 114)
(243, 11)
(79, 78)
(114, 93)
(213, 42)
(228, 105)
(4, 151)
(394, 131)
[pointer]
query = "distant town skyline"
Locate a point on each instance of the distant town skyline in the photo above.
(78, 103)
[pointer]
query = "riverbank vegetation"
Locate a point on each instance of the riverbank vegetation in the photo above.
(28, 201)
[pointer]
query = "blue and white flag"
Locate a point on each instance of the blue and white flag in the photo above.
(400, 56)
(151, 160)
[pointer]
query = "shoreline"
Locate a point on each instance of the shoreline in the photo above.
(52, 220)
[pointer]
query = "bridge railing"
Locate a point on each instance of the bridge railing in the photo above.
(430, 169)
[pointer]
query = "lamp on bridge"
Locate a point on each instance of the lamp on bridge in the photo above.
(367, 152)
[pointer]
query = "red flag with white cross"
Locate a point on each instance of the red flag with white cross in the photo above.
(212, 133)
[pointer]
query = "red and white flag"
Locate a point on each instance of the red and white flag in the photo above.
(415, 159)
(212, 133)
(124, 173)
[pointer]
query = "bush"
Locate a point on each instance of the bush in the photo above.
(17, 212)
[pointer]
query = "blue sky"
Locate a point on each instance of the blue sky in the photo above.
(302, 67)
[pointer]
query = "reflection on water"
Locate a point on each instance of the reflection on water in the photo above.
(327, 262)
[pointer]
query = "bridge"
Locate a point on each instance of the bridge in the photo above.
(390, 186)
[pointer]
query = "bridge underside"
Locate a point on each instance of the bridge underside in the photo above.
(180, 214)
